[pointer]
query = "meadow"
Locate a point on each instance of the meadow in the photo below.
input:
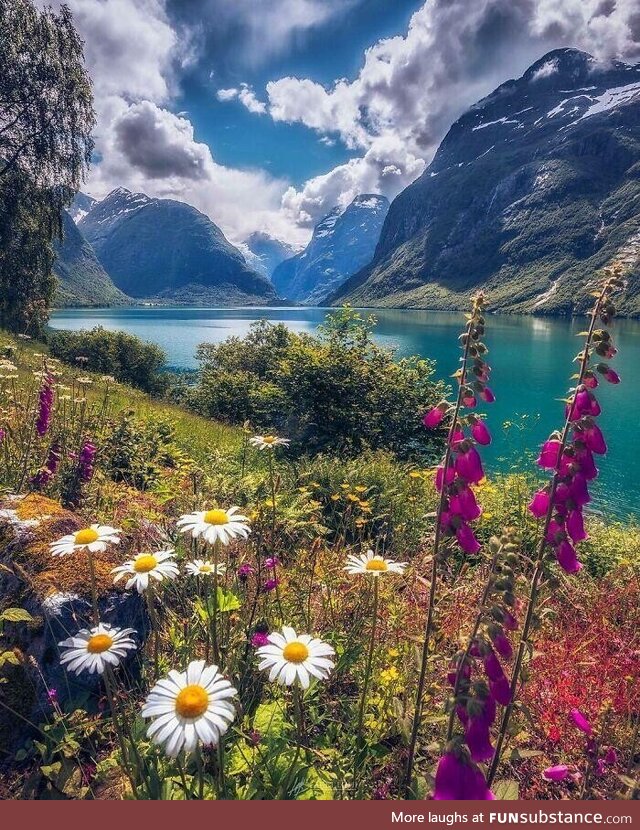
(252, 589)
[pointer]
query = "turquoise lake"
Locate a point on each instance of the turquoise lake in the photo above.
(531, 359)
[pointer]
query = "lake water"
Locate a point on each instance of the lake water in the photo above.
(531, 359)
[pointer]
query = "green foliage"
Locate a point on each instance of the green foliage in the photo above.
(337, 392)
(46, 119)
(124, 356)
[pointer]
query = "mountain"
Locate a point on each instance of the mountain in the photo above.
(82, 281)
(532, 190)
(81, 205)
(342, 243)
(167, 250)
(266, 252)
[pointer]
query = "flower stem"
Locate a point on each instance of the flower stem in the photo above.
(542, 546)
(94, 588)
(417, 716)
(214, 621)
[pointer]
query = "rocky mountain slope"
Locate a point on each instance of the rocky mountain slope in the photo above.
(532, 190)
(82, 281)
(266, 252)
(342, 243)
(167, 250)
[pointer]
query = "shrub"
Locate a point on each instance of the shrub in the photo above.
(338, 391)
(126, 357)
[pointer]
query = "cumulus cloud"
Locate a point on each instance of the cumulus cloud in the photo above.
(411, 88)
(245, 95)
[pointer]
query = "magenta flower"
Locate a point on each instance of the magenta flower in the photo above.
(502, 645)
(434, 417)
(467, 540)
(567, 557)
(575, 526)
(468, 465)
(270, 585)
(539, 504)
(487, 395)
(590, 380)
(463, 503)
(440, 476)
(478, 739)
(593, 438)
(86, 460)
(259, 639)
(611, 376)
(469, 400)
(557, 773)
(500, 690)
(2, 435)
(45, 405)
(510, 622)
(480, 433)
(492, 666)
(245, 571)
(271, 562)
(459, 780)
(51, 465)
(611, 756)
(580, 721)
(549, 455)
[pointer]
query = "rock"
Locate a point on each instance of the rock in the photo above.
(56, 591)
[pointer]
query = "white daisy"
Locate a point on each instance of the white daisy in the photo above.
(158, 566)
(96, 648)
(290, 656)
(215, 525)
(268, 442)
(202, 567)
(188, 707)
(373, 564)
(95, 539)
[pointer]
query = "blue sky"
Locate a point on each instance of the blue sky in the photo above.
(267, 114)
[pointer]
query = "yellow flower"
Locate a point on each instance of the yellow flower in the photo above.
(335, 497)
(415, 474)
(360, 488)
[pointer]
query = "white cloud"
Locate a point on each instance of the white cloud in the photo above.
(227, 94)
(245, 95)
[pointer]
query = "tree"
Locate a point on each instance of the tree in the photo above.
(46, 119)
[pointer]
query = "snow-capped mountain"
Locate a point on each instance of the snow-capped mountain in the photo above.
(164, 249)
(341, 244)
(532, 190)
(265, 252)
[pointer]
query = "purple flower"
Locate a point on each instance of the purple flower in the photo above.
(434, 417)
(245, 571)
(271, 562)
(85, 461)
(469, 400)
(611, 757)
(557, 773)
(580, 721)
(549, 455)
(579, 490)
(45, 405)
(270, 585)
(501, 690)
(600, 768)
(2, 434)
(492, 665)
(481, 433)
(459, 780)
(510, 622)
(440, 476)
(468, 465)
(478, 740)
(575, 526)
(44, 475)
(463, 503)
(502, 645)
(593, 438)
(466, 539)
(539, 504)
(52, 694)
(259, 639)
(487, 395)
(610, 375)
(567, 557)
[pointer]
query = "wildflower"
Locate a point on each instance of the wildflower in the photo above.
(2, 434)
(557, 773)
(580, 721)
(52, 695)
(270, 585)
(550, 453)
(467, 540)
(143, 566)
(609, 374)
(45, 405)
(85, 461)
(93, 649)
(50, 468)
(202, 567)
(189, 707)
(290, 657)
(468, 464)
(458, 779)
(539, 504)
(271, 562)
(244, 571)
(259, 639)
(480, 433)
(95, 539)
(215, 525)
(435, 416)
(268, 442)
(373, 564)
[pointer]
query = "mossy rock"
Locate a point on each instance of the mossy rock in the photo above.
(56, 591)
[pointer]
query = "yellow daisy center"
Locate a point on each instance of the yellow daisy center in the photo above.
(144, 564)
(295, 652)
(269, 439)
(205, 569)
(86, 536)
(376, 565)
(99, 643)
(192, 702)
(216, 517)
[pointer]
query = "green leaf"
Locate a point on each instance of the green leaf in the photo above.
(317, 786)
(16, 615)
(227, 601)
(269, 720)
(506, 790)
